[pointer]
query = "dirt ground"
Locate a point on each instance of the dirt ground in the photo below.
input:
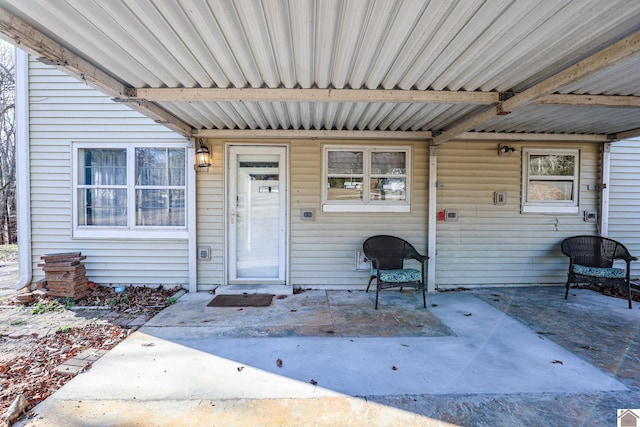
(41, 340)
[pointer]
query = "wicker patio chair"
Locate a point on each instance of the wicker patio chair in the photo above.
(592, 257)
(387, 255)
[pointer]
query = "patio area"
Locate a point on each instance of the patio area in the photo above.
(500, 356)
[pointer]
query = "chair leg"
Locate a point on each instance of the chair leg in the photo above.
(629, 293)
(424, 298)
(377, 292)
(566, 292)
(370, 280)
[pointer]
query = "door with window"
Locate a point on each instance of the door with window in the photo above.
(257, 214)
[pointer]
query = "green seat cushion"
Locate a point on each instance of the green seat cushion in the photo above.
(401, 275)
(603, 272)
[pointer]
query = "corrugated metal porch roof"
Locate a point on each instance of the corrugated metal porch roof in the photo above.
(355, 50)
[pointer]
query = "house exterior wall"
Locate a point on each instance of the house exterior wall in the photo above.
(498, 245)
(624, 197)
(488, 245)
(63, 110)
(322, 252)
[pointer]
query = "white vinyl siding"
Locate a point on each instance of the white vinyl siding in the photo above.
(322, 251)
(497, 244)
(624, 197)
(63, 110)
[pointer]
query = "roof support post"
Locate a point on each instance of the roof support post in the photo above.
(605, 158)
(432, 217)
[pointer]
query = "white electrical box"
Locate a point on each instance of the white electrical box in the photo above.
(590, 216)
(500, 198)
(204, 253)
(451, 214)
(308, 214)
(362, 263)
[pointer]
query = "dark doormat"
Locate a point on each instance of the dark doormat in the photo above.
(244, 300)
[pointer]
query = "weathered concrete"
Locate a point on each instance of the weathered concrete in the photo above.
(507, 357)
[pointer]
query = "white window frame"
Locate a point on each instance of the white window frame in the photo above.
(551, 206)
(366, 205)
(131, 230)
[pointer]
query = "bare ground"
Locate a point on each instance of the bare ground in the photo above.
(38, 338)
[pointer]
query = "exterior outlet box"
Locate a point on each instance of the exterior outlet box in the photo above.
(204, 253)
(451, 215)
(362, 263)
(307, 214)
(590, 216)
(499, 198)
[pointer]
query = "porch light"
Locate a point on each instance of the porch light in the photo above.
(203, 157)
(505, 150)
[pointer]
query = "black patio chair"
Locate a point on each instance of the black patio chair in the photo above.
(592, 257)
(387, 255)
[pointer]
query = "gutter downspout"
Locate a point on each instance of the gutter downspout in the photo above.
(432, 215)
(23, 179)
(604, 189)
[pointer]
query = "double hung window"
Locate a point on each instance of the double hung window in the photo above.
(550, 181)
(366, 179)
(129, 190)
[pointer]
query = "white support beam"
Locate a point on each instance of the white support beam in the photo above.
(631, 133)
(590, 100)
(50, 52)
(315, 95)
(313, 134)
(539, 137)
(604, 58)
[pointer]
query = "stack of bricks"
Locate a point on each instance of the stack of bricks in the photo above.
(65, 275)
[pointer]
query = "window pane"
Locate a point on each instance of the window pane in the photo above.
(344, 189)
(160, 207)
(103, 167)
(345, 162)
(105, 207)
(388, 163)
(388, 189)
(557, 165)
(550, 190)
(160, 166)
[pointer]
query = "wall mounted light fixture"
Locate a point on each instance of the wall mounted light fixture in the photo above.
(505, 150)
(203, 157)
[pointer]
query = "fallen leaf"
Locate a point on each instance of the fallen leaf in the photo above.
(434, 305)
(313, 382)
(405, 345)
(279, 363)
(148, 344)
(559, 362)
(394, 368)
(240, 368)
(467, 314)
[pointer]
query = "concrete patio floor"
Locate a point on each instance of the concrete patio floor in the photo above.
(487, 357)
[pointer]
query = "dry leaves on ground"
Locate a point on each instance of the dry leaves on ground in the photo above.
(28, 364)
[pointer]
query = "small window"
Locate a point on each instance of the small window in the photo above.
(550, 181)
(128, 190)
(366, 179)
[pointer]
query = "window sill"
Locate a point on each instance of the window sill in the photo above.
(551, 209)
(366, 208)
(122, 234)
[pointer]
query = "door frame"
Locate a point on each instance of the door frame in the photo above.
(284, 168)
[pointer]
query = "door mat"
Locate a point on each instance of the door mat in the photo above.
(243, 300)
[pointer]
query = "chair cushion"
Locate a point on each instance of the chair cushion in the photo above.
(401, 275)
(607, 273)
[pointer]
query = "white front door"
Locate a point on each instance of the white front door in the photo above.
(257, 214)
